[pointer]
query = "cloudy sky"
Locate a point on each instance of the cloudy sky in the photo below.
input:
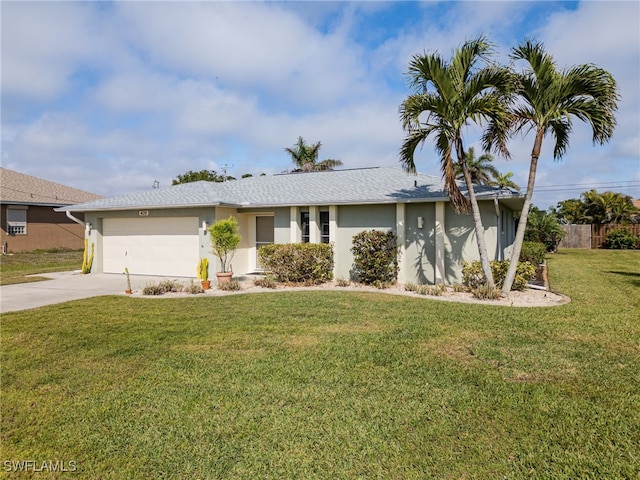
(112, 96)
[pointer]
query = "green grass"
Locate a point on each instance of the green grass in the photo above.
(15, 267)
(333, 384)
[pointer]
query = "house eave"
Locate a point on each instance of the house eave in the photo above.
(143, 207)
(34, 204)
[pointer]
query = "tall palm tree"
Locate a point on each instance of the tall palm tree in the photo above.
(453, 94)
(548, 100)
(305, 157)
(481, 170)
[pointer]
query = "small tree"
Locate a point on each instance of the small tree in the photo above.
(225, 239)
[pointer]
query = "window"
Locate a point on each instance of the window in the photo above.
(304, 221)
(17, 220)
(324, 227)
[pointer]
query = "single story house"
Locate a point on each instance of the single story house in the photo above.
(164, 231)
(27, 217)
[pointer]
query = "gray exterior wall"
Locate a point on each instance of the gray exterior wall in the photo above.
(353, 219)
(420, 253)
(460, 239)
(420, 245)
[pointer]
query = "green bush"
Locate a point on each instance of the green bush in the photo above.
(622, 239)
(545, 228)
(533, 252)
(310, 263)
(473, 277)
(375, 259)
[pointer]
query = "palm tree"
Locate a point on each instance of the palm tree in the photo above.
(548, 101)
(608, 207)
(503, 181)
(454, 94)
(305, 157)
(481, 170)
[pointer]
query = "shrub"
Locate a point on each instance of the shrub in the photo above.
(165, 286)
(230, 286)
(310, 263)
(410, 287)
(485, 292)
(473, 277)
(434, 290)
(342, 282)
(437, 290)
(533, 252)
(194, 288)
(545, 228)
(266, 282)
(375, 257)
(622, 239)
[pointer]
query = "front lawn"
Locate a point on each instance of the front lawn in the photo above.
(333, 384)
(18, 267)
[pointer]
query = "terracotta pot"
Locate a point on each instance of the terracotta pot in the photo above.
(206, 284)
(224, 277)
(127, 291)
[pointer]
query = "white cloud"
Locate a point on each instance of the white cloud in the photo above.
(245, 46)
(41, 43)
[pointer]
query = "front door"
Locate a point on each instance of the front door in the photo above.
(264, 235)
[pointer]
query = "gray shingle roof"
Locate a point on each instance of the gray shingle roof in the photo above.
(19, 188)
(357, 186)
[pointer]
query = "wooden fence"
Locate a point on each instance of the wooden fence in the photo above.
(599, 232)
(591, 236)
(577, 236)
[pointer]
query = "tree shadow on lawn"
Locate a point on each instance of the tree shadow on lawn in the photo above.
(635, 280)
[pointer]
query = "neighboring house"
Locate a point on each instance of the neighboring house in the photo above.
(27, 213)
(164, 231)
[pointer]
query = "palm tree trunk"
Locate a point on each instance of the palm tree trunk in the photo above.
(524, 215)
(477, 219)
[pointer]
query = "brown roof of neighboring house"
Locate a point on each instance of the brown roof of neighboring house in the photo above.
(16, 187)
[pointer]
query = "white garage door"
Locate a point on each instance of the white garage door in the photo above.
(165, 246)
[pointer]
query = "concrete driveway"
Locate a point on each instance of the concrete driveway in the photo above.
(66, 286)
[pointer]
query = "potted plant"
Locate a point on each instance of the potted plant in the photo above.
(203, 273)
(128, 290)
(225, 240)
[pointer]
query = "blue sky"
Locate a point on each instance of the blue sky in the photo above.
(110, 96)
